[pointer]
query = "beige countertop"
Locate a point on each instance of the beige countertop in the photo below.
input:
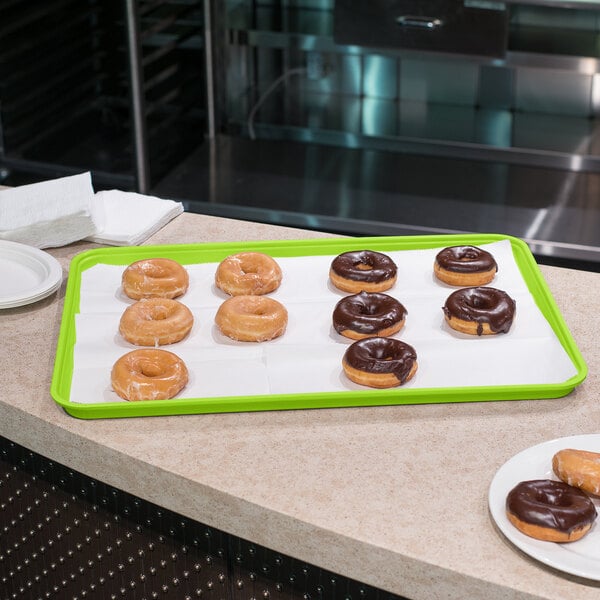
(392, 496)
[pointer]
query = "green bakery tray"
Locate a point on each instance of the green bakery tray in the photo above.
(215, 252)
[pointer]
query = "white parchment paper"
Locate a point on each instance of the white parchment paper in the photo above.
(307, 358)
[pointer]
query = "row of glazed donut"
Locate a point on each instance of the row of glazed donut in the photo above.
(157, 319)
(246, 273)
(164, 321)
(558, 511)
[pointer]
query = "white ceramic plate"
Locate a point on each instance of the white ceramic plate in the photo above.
(27, 274)
(581, 558)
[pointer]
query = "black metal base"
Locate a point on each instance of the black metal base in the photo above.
(66, 536)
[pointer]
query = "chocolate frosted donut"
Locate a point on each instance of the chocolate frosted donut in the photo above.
(368, 314)
(479, 311)
(380, 362)
(550, 510)
(465, 265)
(363, 270)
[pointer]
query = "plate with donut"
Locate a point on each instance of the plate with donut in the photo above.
(546, 501)
(375, 321)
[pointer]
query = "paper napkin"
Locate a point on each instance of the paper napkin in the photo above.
(48, 214)
(128, 218)
(60, 211)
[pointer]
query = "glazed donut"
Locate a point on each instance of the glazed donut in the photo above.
(380, 362)
(248, 274)
(579, 468)
(465, 266)
(550, 510)
(251, 318)
(155, 278)
(149, 374)
(363, 271)
(155, 322)
(479, 311)
(368, 314)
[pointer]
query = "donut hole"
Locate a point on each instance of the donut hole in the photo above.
(249, 269)
(469, 254)
(554, 499)
(481, 302)
(154, 271)
(159, 313)
(364, 267)
(383, 354)
(150, 369)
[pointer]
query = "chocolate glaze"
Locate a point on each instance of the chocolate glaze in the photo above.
(483, 305)
(465, 259)
(382, 355)
(376, 267)
(551, 504)
(367, 313)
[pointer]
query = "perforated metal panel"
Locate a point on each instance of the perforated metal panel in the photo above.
(66, 536)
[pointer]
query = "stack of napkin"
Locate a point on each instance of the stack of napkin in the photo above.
(60, 211)
(127, 218)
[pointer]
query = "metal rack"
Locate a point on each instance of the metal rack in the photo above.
(115, 88)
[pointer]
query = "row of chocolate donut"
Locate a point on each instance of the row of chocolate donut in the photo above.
(475, 310)
(369, 313)
(370, 317)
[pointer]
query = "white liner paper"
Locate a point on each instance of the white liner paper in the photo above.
(307, 358)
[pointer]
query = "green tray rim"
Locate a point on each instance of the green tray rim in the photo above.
(216, 251)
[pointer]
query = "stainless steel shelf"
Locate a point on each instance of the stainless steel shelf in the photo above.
(295, 113)
(362, 191)
(312, 30)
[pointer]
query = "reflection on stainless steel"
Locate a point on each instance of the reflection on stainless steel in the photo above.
(368, 192)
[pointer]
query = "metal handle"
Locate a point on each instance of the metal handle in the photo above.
(418, 21)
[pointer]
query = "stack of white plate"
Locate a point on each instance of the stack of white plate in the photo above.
(27, 274)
